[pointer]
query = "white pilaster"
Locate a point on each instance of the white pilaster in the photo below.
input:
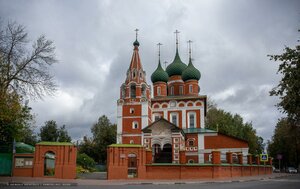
(119, 124)
(184, 119)
(144, 114)
(202, 123)
(200, 148)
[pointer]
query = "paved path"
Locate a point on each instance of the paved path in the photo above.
(30, 181)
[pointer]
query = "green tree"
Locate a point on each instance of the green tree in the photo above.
(87, 146)
(63, 135)
(104, 134)
(233, 125)
(85, 161)
(51, 132)
(288, 88)
(15, 120)
(285, 141)
(23, 74)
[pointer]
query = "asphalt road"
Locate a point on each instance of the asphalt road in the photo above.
(290, 182)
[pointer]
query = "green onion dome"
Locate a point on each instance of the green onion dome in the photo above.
(191, 72)
(159, 74)
(176, 67)
(136, 43)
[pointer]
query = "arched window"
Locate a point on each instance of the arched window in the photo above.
(191, 88)
(141, 75)
(181, 90)
(135, 125)
(172, 90)
(123, 91)
(132, 90)
(133, 74)
(174, 118)
(158, 91)
(49, 164)
(143, 90)
(191, 120)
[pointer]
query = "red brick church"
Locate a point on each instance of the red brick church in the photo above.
(166, 125)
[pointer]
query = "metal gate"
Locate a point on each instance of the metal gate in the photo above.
(5, 164)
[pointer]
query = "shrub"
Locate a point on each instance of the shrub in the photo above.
(85, 161)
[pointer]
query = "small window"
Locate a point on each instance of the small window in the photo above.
(191, 142)
(133, 74)
(174, 119)
(181, 90)
(192, 120)
(158, 91)
(123, 91)
(132, 110)
(133, 90)
(157, 117)
(131, 142)
(190, 161)
(143, 91)
(172, 90)
(135, 125)
(191, 88)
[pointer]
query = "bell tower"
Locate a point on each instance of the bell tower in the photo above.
(134, 104)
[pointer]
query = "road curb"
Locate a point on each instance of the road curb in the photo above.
(36, 184)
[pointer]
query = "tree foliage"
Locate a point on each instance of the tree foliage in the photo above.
(50, 132)
(104, 134)
(24, 73)
(285, 141)
(25, 70)
(233, 125)
(85, 161)
(288, 88)
(15, 120)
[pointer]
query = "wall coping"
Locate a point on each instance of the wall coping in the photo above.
(126, 145)
(206, 165)
(46, 143)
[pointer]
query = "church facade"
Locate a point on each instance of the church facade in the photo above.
(169, 117)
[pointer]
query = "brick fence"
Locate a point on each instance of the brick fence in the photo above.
(119, 161)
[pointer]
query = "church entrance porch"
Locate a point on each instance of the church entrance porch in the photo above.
(163, 155)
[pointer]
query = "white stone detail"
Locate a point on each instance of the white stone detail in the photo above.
(119, 124)
(200, 148)
(144, 114)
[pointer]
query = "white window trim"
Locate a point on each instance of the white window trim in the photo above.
(195, 119)
(131, 110)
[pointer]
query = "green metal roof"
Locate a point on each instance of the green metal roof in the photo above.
(46, 143)
(190, 72)
(176, 67)
(136, 43)
(159, 74)
(22, 148)
(198, 130)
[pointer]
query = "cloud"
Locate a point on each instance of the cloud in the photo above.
(231, 41)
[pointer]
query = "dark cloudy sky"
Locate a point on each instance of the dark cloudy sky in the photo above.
(231, 41)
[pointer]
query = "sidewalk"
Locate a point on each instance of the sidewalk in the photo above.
(30, 181)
